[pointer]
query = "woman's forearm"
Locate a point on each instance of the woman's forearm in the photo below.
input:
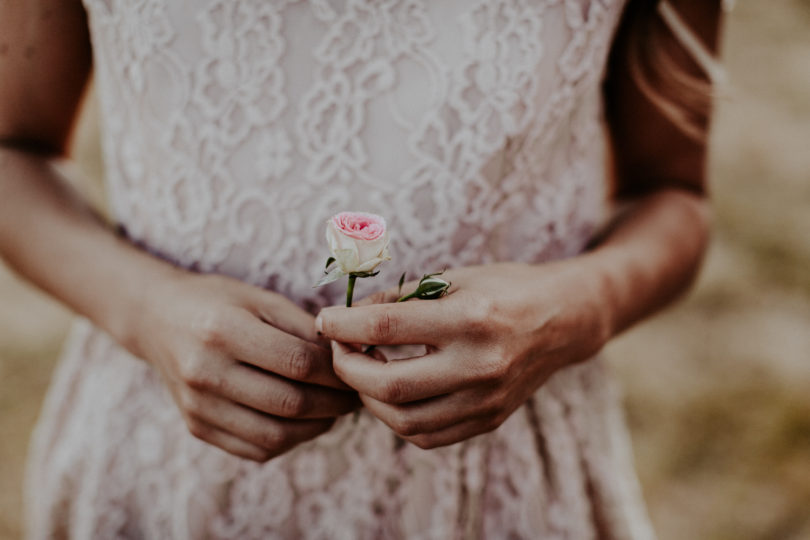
(50, 237)
(651, 256)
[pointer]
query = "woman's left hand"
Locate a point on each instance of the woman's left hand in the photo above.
(491, 342)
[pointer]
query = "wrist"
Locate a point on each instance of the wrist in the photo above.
(619, 276)
(565, 306)
(592, 280)
(144, 300)
(584, 300)
(599, 269)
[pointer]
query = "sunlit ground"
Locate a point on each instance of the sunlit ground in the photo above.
(717, 389)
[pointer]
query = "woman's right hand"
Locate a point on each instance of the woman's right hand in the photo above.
(240, 362)
(243, 364)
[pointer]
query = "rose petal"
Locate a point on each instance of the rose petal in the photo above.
(358, 241)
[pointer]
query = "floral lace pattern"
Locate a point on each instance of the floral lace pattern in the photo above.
(232, 131)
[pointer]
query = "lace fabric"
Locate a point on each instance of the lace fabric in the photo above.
(232, 130)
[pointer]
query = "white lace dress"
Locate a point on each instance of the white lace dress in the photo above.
(232, 131)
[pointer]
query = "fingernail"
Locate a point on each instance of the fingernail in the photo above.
(319, 325)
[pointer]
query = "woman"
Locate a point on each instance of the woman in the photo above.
(232, 130)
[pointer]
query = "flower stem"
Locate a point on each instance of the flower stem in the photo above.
(350, 290)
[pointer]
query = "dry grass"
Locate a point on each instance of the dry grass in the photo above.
(717, 389)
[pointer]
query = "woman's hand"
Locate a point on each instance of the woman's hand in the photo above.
(499, 334)
(243, 364)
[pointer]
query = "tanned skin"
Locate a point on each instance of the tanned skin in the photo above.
(247, 368)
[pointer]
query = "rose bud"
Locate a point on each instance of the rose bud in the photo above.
(430, 288)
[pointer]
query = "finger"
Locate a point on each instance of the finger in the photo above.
(453, 434)
(428, 416)
(387, 296)
(273, 434)
(280, 397)
(416, 322)
(273, 350)
(399, 381)
(285, 315)
(379, 297)
(227, 442)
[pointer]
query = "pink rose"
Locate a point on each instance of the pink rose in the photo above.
(358, 241)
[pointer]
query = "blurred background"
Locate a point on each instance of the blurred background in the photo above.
(717, 389)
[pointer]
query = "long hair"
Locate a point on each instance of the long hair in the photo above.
(682, 95)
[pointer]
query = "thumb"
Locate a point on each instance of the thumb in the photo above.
(285, 315)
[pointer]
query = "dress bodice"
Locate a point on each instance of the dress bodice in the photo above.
(234, 129)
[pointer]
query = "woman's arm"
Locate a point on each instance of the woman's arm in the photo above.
(191, 328)
(662, 172)
(505, 328)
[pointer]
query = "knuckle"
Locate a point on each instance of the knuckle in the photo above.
(189, 367)
(496, 415)
(266, 456)
(490, 406)
(261, 455)
(201, 381)
(494, 369)
(424, 442)
(393, 391)
(293, 404)
(273, 438)
(494, 421)
(406, 426)
(191, 403)
(211, 329)
(480, 315)
(300, 364)
(382, 327)
(198, 376)
(197, 429)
